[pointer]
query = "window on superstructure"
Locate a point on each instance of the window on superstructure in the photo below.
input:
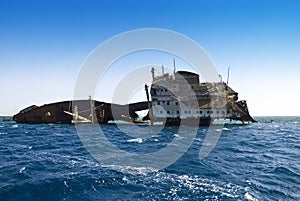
(200, 111)
(168, 103)
(168, 112)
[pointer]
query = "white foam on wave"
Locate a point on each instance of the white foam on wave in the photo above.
(132, 170)
(138, 140)
(15, 126)
(65, 183)
(249, 197)
(22, 169)
(178, 137)
(198, 186)
(177, 185)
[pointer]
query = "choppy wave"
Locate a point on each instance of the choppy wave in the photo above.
(253, 162)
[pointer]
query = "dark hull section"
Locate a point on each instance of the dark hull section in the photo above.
(101, 112)
(87, 110)
(189, 121)
(50, 113)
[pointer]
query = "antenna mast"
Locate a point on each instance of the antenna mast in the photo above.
(92, 111)
(228, 75)
(152, 72)
(174, 65)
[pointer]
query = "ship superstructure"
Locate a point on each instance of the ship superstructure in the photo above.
(180, 96)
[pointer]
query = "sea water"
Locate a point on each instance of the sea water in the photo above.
(259, 161)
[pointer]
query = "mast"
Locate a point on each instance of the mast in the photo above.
(149, 104)
(92, 112)
(152, 72)
(174, 65)
(147, 94)
(228, 75)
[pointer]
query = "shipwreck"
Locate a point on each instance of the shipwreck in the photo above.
(174, 98)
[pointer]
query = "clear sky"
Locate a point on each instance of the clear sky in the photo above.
(44, 43)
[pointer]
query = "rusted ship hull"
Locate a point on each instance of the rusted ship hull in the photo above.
(175, 99)
(64, 113)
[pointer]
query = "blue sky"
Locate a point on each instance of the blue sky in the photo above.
(44, 43)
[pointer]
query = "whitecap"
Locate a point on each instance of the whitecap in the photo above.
(197, 185)
(132, 170)
(138, 140)
(65, 183)
(15, 126)
(177, 136)
(248, 196)
(124, 179)
(22, 170)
